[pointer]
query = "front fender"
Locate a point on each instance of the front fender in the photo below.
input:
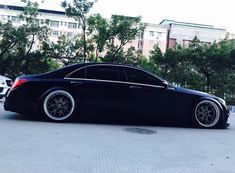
(211, 99)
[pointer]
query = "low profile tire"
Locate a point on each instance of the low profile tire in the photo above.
(58, 106)
(207, 114)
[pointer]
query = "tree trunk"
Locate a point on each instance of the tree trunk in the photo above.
(208, 83)
(84, 41)
(30, 47)
(96, 55)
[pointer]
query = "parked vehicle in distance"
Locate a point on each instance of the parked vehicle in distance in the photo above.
(113, 90)
(5, 85)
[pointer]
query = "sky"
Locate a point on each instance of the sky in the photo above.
(219, 13)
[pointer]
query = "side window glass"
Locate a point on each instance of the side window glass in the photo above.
(122, 75)
(138, 76)
(78, 74)
(103, 73)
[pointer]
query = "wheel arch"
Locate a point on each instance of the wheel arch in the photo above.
(210, 99)
(43, 96)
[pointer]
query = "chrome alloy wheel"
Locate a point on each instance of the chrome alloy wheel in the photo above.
(59, 105)
(207, 113)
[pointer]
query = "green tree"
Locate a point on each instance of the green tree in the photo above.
(66, 51)
(11, 38)
(36, 30)
(123, 29)
(99, 29)
(166, 62)
(18, 44)
(202, 64)
(79, 10)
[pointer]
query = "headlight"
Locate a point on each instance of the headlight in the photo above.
(2, 81)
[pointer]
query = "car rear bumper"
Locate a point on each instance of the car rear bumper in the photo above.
(20, 106)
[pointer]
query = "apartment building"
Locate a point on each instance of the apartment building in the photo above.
(183, 33)
(230, 36)
(153, 35)
(59, 24)
(166, 34)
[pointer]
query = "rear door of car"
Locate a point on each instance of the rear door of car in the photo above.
(100, 90)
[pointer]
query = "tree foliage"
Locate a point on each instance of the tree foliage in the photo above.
(79, 10)
(17, 52)
(123, 29)
(199, 66)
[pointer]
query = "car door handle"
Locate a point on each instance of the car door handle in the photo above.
(135, 87)
(76, 82)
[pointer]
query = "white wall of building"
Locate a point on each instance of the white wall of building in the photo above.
(183, 33)
(209, 35)
(59, 23)
(154, 35)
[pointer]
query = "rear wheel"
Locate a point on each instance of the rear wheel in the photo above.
(207, 114)
(59, 105)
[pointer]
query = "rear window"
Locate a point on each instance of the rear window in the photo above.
(78, 74)
(103, 73)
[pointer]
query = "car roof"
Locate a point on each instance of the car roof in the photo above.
(62, 72)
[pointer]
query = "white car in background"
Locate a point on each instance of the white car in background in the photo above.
(5, 85)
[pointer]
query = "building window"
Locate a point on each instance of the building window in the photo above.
(54, 23)
(140, 44)
(8, 17)
(69, 34)
(159, 34)
(72, 25)
(61, 23)
(2, 17)
(151, 33)
(55, 33)
(141, 35)
(65, 23)
(15, 19)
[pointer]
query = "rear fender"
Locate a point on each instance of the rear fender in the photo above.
(49, 91)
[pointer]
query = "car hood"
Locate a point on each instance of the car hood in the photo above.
(194, 92)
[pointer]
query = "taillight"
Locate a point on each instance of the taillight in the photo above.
(19, 82)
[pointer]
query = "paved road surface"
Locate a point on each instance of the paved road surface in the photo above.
(29, 146)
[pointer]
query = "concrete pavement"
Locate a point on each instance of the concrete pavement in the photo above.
(29, 146)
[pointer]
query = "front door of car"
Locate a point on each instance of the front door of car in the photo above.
(150, 97)
(156, 101)
(101, 92)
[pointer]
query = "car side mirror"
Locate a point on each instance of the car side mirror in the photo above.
(165, 84)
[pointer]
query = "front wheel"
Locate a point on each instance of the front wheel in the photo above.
(207, 114)
(58, 105)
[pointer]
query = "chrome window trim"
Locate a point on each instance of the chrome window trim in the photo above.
(111, 81)
(115, 65)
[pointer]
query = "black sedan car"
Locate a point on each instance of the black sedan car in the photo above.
(112, 90)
